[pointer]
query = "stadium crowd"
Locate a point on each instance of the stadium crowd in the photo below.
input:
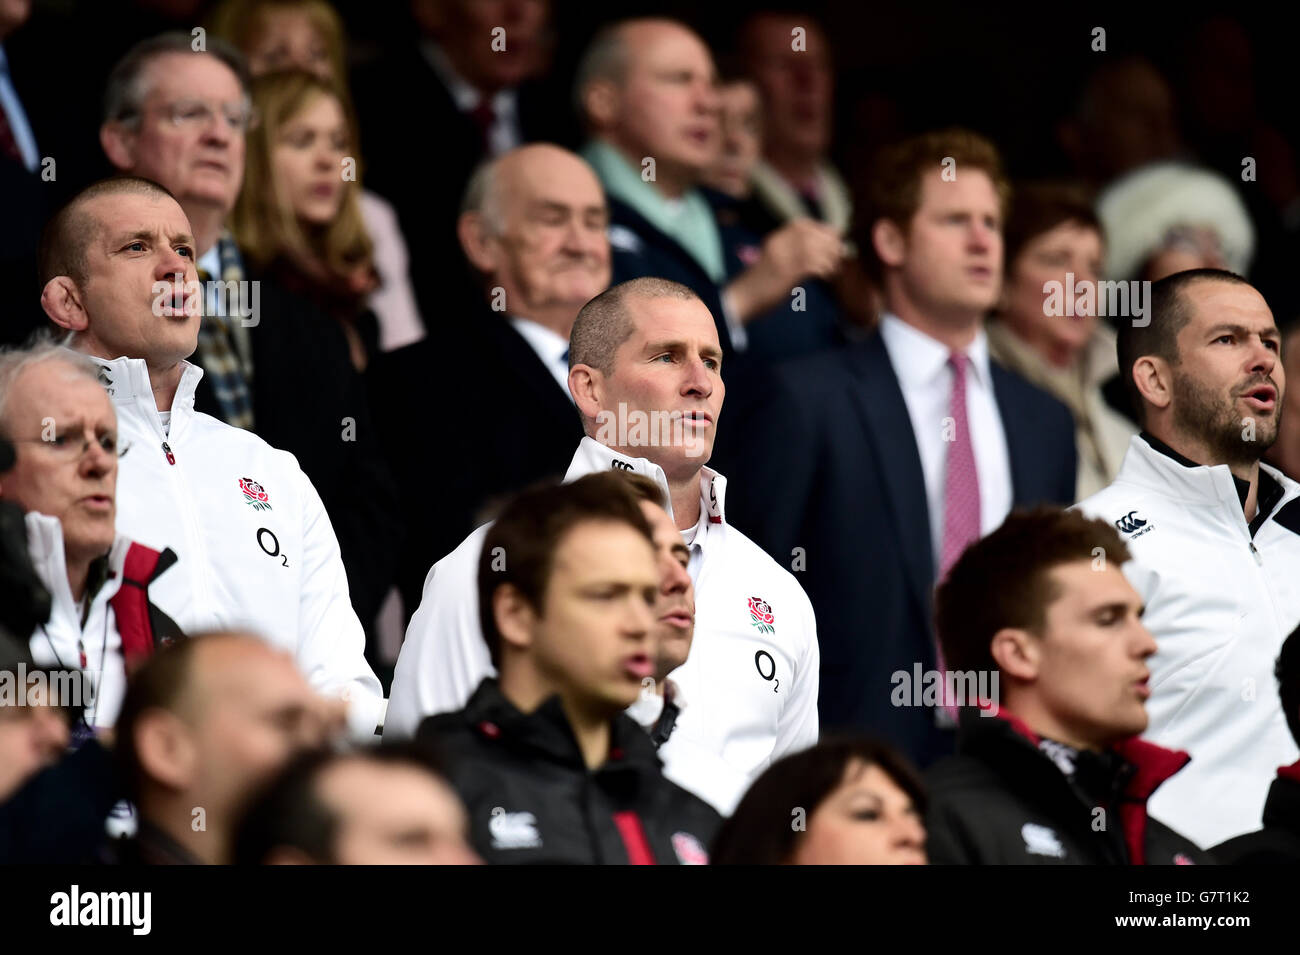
(404, 460)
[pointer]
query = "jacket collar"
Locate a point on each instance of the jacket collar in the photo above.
(546, 732)
(1152, 464)
(592, 456)
(1282, 808)
(127, 382)
(1004, 732)
(45, 546)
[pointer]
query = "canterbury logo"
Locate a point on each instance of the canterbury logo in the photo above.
(621, 465)
(1130, 522)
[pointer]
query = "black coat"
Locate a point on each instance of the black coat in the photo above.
(1278, 843)
(1002, 801)
(840, 480)
(488, 420)
(532, 800)
(304, 390)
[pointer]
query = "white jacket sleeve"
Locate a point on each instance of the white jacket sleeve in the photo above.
(331, 640)
(444, 658)
(799, 725)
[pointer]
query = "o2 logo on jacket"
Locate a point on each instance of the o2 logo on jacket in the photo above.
(767, 669)
(270, 545)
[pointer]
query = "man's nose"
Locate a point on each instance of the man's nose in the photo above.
(675, 578)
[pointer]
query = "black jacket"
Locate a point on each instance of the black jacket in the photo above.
(1278, 843)
(531, 798)
(1003, 801)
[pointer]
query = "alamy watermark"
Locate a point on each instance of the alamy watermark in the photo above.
(946, 688)
(1086, 298)
(653, 429)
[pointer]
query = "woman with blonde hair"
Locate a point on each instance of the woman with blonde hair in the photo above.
(279, 35)
(298, 217)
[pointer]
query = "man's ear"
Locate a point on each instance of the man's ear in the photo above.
(587, 385)
(600, 104)
(164, 749)
(515, 616)
(118, 143)
(889, 242)
(1154, 380)
(1017, 653)
(63, 303)
(471, 231)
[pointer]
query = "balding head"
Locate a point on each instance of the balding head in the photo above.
(206, 720)
(647, 87)
(533, 222)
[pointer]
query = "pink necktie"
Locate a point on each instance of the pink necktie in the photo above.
(961, 495)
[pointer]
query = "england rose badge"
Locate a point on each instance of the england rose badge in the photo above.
(761, 616)
(255, 495)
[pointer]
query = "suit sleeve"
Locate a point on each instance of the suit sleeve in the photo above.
(331, 642)
(799, 725)
(444, 658)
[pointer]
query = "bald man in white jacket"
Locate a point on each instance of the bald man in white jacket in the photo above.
(645, 373)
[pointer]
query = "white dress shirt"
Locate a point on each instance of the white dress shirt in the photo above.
(505, 134)
(551, 348)
(921, 364)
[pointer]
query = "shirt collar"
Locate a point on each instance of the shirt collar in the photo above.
(464, 94)
(918, 359)
(592, 456)
(127, 379)
(548, 343)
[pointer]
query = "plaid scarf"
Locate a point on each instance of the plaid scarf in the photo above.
(224, 346)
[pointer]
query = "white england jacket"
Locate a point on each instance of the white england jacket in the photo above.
(751, 682)
(1219, 605)
(60, 641)
(256, 547)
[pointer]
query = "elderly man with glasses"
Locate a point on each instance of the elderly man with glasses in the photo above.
(63, 429)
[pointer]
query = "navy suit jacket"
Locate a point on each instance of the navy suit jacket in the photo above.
(844, 483)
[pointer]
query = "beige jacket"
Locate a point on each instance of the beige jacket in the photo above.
(1101, 433)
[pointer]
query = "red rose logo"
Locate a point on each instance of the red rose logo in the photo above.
(761, 616)
(255, 494)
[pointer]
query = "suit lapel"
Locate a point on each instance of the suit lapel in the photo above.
(879, 399)
(1020, 440)
(523, 364)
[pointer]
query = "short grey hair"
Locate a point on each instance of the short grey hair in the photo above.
(605, 322)
(605, 59)
(483, 195)
(125, 91)
(44, 348)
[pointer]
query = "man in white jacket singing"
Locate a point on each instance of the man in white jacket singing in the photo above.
(257, 550)
(63, 429)
(645, 371)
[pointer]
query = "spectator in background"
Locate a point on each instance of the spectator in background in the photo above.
(119, 267)
(180, 118)
(568, 620)
(646, 89)
(1285, 454)
(204, 723)
(298, 216)
(102, 622)
(1278, 842)
(276, 35)
(910, 445)
(533, 227)
(33, 732)
(808, 320)
(845, 801)
(383, 806)
(1170, 217)
(1050, 769)
(464, 89)
(1125, 118)
(1053, 236)
(788, 55)
(1215, 541)
(24, 201)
